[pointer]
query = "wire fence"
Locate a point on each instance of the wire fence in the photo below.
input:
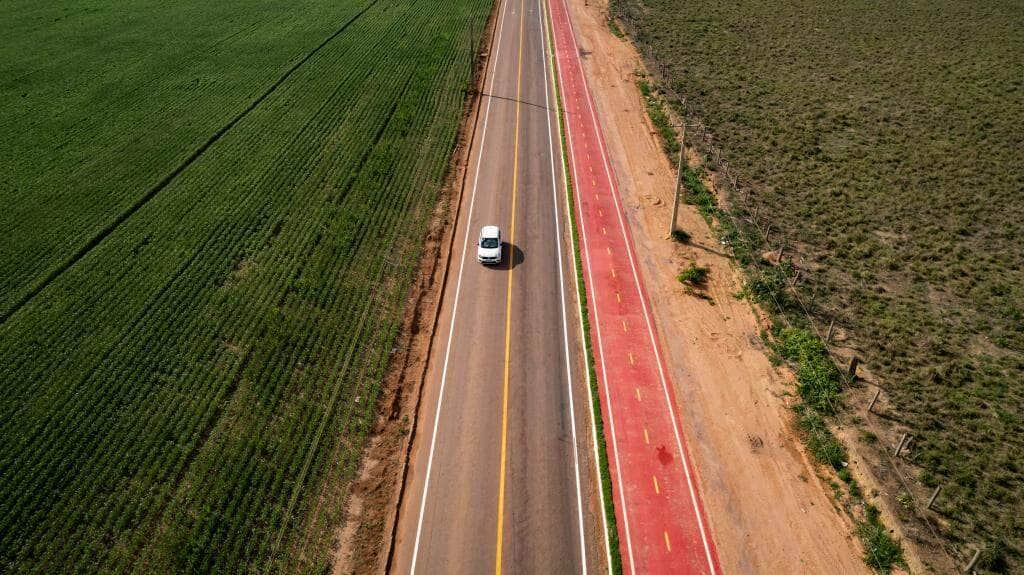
(755, 234)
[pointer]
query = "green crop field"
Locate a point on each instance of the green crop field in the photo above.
(885, 143)
(212, 213)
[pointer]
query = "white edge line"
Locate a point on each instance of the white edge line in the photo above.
(455, 307)
(550, 58)
(600, 345)
(561, 291)
(643, 302)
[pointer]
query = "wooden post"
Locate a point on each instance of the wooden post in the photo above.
(931, 499)
(679, 179)
(854, 362)
(831, 332)
(899, 446)
(871, 405)
(974, 561)
(906, 444)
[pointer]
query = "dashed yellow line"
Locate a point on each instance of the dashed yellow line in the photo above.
(647, 438)
(609, 250)
(657, 488)
(613, 275)
(668, 544)
(625, 327)
(638, 398)
(632, 360)
(618, 296)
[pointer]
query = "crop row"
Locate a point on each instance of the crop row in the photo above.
(174, 395)
(101, 110)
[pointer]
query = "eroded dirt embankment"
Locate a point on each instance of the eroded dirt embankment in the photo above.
(769, 510)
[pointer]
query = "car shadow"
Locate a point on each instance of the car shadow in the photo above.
(511, 256)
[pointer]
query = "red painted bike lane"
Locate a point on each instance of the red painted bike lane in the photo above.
(661, 521)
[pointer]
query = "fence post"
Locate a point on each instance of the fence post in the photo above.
(871, 405)
(899, 446)
(931, 499)
(974, 561)
(905, 444)
(679, 178)
(854, 362)
(831, 332)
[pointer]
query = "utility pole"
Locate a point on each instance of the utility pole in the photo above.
(679, 178)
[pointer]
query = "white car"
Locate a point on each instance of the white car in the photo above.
(488, 247)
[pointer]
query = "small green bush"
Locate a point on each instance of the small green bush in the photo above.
(820, 442)
(694, 275)
(818, 379)
(881, 551)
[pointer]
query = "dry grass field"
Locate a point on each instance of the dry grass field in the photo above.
(884, 143)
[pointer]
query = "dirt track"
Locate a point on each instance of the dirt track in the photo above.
(769, 511)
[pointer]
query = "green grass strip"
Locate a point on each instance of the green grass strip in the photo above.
(581, 291)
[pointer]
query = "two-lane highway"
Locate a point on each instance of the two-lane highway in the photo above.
(502, 473)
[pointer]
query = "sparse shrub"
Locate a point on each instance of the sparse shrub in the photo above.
(910, 242)
(818, 379)
(694, 275)
(820, 442)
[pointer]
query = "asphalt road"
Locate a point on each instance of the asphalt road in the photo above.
(502, 476)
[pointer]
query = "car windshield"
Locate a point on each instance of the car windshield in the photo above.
(489, 243)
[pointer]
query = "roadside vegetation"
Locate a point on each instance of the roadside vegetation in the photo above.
(212, 216)
(883, 146)
(612, 532)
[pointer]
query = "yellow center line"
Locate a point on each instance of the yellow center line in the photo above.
(647, 438)
(625, 327)
(657, 488)
(632, 360)
(668, 544)
(638, 394)
(609, 250)
(508, 304)
(604, 231)
(618, 296)
(613, 275)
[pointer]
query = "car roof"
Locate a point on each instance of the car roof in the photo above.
(490, 231)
